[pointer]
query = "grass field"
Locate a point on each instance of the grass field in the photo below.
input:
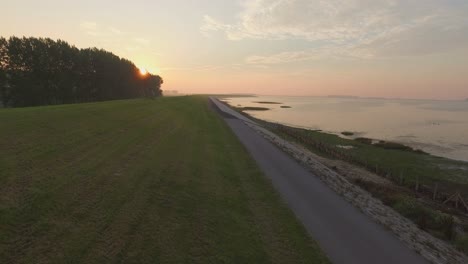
(137, 181)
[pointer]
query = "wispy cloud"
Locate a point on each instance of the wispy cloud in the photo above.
(332, 51)
(94, 29)
(206, 68)
(366, 28)
(211, 25)
(115, 31)
(89, 28)
(132, 48)
(111, 37)
(142, 41)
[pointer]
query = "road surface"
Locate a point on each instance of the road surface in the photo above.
(343, 232)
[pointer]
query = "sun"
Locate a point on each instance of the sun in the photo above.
(143, 71)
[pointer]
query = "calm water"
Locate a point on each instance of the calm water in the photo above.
(437, 127)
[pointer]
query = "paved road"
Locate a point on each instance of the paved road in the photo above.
(344, 233)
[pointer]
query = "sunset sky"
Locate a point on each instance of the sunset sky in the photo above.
(384, 48)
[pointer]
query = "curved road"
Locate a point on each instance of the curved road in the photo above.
(343, 232)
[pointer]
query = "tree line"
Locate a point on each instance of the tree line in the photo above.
(42, 71)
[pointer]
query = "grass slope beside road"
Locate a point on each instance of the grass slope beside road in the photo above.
(137, 181)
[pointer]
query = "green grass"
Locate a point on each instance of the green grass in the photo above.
(396, 159)
(137, 181)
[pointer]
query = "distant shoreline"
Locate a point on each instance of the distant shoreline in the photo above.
(342, 97)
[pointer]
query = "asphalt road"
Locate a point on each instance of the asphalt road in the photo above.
(343, 232)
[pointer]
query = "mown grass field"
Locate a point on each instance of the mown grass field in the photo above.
(137, 181)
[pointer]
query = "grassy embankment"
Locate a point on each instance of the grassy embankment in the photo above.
(422, 181)
(137, 181)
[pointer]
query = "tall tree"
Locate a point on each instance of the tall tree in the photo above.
(41, 71)
(4, 96)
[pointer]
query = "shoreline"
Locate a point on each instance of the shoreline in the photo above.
(412, 196)
(342, 134)
(356, 135)
(419, 130)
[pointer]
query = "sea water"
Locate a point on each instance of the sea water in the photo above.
(436, 127)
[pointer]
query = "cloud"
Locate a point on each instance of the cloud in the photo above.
(89, 28)
(115, 31)
(93, 29)
(142, 41)
(431, 35)
(109, 36)
(285, 57)
(205, 68)
(210, 25)
(364, 27)
(326, 52)
(132, 48)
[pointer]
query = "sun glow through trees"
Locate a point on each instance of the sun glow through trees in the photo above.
(143, 71)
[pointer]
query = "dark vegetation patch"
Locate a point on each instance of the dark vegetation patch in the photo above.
(364, 140)
(429, 219)
(387, 145)
(267, 102)
(253, 108)
(347, 133)
(392, 145)
(285, 106)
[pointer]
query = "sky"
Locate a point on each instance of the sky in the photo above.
(373, 48)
